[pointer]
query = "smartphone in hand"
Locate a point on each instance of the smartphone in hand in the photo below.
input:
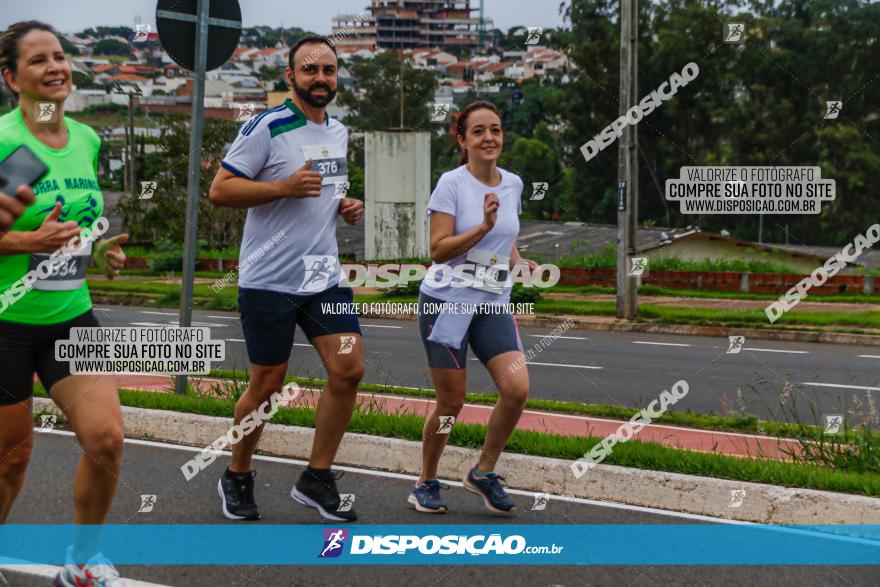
(21, 167)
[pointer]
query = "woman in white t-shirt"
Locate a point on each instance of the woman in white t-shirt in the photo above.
(463, 301)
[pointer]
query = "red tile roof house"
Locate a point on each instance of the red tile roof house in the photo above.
(140, 68)
(243, 53)
(461, 70)
(104, 68)
(127, 77)
(492, 70)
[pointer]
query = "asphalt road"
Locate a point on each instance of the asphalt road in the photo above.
(625, 369)
(151, 468)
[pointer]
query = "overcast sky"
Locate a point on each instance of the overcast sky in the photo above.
(314, 15)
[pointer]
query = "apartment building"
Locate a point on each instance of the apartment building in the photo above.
(409, 24)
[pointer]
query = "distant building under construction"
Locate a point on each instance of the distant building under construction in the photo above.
(408, 24)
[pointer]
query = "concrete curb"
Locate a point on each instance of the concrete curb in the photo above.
(31, 575)
(669, 491)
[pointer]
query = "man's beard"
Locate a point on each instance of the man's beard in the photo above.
(316, 102)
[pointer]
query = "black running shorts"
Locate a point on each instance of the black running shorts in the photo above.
(26, 349)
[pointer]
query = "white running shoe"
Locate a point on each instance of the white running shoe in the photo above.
(97, 572)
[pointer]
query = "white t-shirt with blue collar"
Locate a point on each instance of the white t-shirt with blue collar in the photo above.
(304, 259)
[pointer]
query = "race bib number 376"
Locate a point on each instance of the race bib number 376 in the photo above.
(330, 161)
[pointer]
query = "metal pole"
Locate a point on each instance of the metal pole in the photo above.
(125, 160)
(194, 173)
(131, 145)
(627, 163)
(401, 85)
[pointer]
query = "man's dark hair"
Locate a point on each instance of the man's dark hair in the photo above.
(314, 39)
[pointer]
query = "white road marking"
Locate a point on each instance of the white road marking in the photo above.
(777, 351)
(660, 343)
(870, 356)
(159, 313)
(839, 386)
(555, 337)
(555, 365)
(225, 317)
(379, 326)
(235, 340)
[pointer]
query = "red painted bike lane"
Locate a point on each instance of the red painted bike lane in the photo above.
(708, 441)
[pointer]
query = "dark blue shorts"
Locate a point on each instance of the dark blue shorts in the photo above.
(269, 320)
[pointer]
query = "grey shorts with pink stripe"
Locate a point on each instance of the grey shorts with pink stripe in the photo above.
(490, 334)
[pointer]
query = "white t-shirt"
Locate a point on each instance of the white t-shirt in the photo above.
(462, 195)
(289, 245)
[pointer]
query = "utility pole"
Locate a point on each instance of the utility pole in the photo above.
(128, 154)
(401, 85)
(627, 163)
(131, 145)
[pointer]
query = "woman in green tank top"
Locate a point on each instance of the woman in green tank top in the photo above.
(43, 296)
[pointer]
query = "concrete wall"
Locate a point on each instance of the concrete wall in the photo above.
(397, 188)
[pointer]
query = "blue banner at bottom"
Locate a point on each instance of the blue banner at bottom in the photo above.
(433, 544)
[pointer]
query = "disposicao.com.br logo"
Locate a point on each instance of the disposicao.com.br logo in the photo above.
(454, 544)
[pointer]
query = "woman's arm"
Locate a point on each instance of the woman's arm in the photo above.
(516, 258)
(12, 206)
(16, 243)
(51, 236)
(446, 245)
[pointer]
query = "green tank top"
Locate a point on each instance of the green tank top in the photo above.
(72, 180)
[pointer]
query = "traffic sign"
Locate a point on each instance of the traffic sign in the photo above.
(176, 21)
(198, 35)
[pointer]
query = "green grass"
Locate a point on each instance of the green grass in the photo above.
(710, 317)
(158, 274)
(656, 290)
(641, 455)
(607, 259)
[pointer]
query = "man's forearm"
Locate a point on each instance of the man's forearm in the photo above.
(238, 192)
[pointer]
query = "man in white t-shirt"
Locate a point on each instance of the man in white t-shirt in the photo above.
(287, 167)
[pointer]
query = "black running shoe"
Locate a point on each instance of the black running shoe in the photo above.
(237, 494)
(318, 490)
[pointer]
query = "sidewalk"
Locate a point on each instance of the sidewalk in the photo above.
(708, 441)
